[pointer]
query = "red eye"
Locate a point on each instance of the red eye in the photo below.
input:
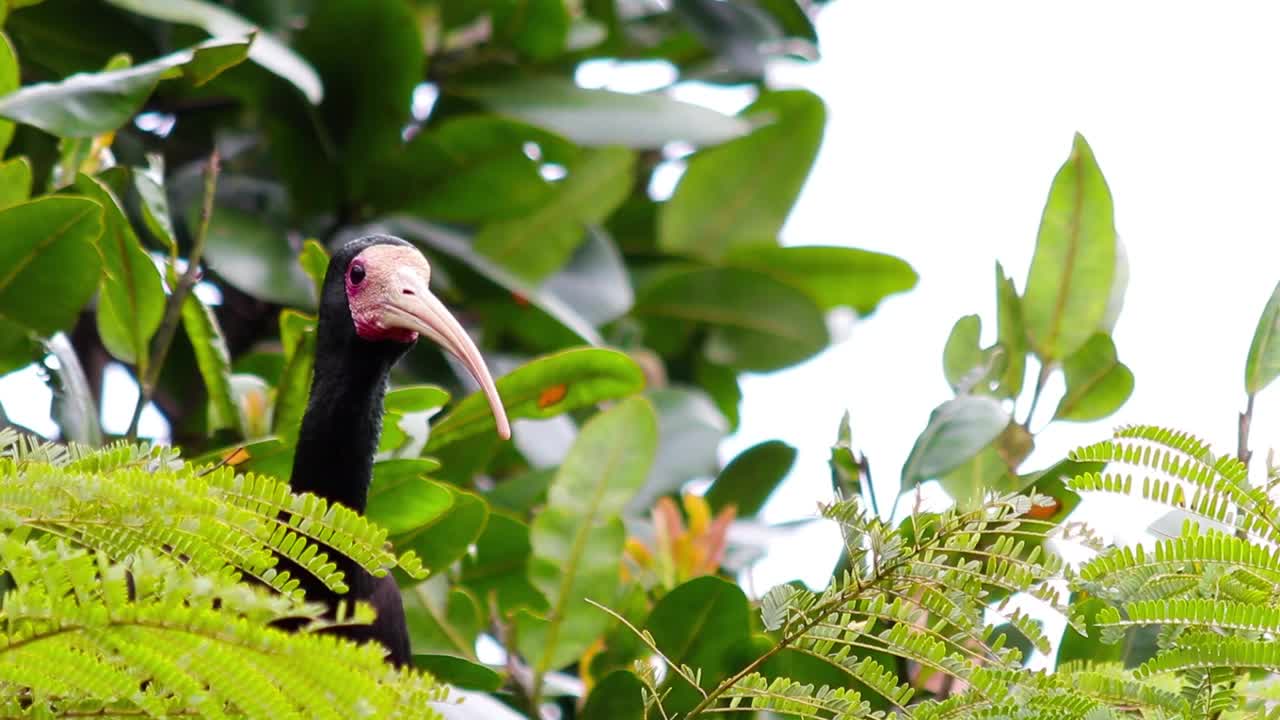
(356, 274)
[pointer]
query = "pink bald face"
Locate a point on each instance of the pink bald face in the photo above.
(371, 280)
(389, 299)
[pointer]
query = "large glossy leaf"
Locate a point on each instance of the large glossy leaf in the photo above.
(958, 429)
(601, 117)
(699, 624)
(1073, 268)
(545, 387)
(1263, 363)
(748, 480)
(149, 182)
(15, 182)
(401, 498)
(595, 281)
(1097, 382)
(536, 28)
(88, 104)
(690, 429)
(538, 244)
(368, 88)
(459, 672)
(298, 336)
(993, 468)
(440, 239)
(619, 696)
(214, 362)
(757, 323)
(48, 270)
(130, 299)
(470, 169)
(266, 50)
(443, 541)
(442, 620)
(1012, 335)
(9, 82)
(499, 568)
(832, 276)
(577, 540)
(741, 192)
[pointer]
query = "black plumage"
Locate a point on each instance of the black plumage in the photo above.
(343, 420)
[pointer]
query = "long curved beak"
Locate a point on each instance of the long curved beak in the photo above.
(415, 308)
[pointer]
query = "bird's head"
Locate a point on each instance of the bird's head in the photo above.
(379, 284)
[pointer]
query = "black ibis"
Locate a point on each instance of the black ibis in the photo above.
(375, 303)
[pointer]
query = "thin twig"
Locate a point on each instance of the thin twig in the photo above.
(1041, 379)
(173, 309)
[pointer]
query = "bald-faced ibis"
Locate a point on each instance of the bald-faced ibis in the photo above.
(374, 305)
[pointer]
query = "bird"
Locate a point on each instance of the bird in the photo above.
(375, 304)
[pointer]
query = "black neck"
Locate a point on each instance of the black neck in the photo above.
(343, 421)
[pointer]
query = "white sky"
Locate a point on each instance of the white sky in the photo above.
(947, 122)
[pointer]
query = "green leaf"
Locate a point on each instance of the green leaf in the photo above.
(963, 353)
(442, 619)
(741, 192)
(577, 540)
(415, 398)
(214, 363)
(436, 238)
(401, 498)
(721, 383)
(500, 566)
(315, 263)
(1073, 269)
(690, 429)
(298, 336)
(537, 28)
(748, 480)
(88, 104)
(542, 242)
(619, 696)
(1075, 646)
(757, 323)
(443, 541)
(543, 388)
(131, 298)
(251, 250)
(149, 182)
(1012, 336)
(698, 624)
(847, 468)
(470, 169)
(459, 672)
(992, 468)
(601, 117)
(1097, 383)
(367, 91)
(1263, 363)
(266, 50)
(958, 429)
(9, 82)
(520, 494)
(15, 182)
(49, 267)
(833, 276)
(73, 407)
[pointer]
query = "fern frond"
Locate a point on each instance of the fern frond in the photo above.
(154, 636)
